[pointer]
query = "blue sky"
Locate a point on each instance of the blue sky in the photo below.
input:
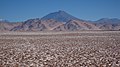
(21, 10)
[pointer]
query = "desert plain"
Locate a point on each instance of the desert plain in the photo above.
(60, 49)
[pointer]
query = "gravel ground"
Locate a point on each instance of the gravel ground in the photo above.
(61, 49)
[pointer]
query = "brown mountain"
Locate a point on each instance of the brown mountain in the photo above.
(108, 24)
(60, 21)
(38, 25)
(53, 25)
(74, 25)
(7, 26)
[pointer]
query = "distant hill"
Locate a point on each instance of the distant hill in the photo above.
(109, 21)
(8, 26)
(60, 21)
(108, 24)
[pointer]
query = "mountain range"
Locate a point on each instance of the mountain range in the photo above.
(60, 21)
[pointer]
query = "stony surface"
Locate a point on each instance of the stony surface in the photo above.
(67, 49)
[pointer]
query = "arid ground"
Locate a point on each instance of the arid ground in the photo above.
(60, 49)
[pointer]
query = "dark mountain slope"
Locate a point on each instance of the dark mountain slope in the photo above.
(60, 16)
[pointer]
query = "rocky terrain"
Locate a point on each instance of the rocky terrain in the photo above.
(60, 49)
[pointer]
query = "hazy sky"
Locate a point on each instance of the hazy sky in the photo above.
(21, 10)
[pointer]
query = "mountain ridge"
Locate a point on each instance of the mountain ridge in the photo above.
(60, 21)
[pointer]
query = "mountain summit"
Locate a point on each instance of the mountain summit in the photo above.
(60, 16)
